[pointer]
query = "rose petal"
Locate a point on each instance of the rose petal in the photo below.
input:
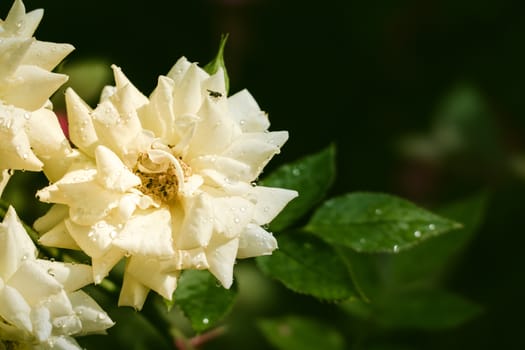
(221, 258)
(147, 232)
(133, 293)
(269, 202)
(245, 110)
(15, 245)
(255, 241)
(148, 272)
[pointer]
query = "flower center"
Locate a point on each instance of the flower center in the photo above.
(11, 344)
(162, 175)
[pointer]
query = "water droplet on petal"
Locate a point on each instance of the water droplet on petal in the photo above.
(51, 272)
(236, 220)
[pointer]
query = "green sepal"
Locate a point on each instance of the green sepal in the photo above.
(218, 62)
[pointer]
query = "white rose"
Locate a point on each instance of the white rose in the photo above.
(30, 135)
(168, 182)
(41, 306)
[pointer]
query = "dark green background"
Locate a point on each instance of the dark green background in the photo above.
(360, 74)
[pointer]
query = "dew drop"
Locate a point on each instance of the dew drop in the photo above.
(236, 220)
(51, 272)
(242, 122)
(395, 248)
(296, 171)
(101, 316)
(266, 209)
(205, 320)
(432, 227)
(27, 115)
(25, 156)
(24, 257)
(417, 234)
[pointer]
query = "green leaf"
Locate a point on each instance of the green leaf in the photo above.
(218, 62)
(307, 265)
(375, 222)
(311, 176)
(425, 309)
(127, 322)
(435, 255)
(202, 299)
(297, 333)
